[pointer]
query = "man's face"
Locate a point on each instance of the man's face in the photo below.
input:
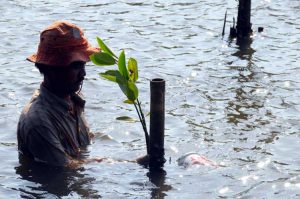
(68, 80)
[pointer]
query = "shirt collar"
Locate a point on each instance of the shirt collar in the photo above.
(62, 104)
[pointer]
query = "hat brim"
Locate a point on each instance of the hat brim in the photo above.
(32, 58)
(63, 59)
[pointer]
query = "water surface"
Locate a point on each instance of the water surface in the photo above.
(237, 105)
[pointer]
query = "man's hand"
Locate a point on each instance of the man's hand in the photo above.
(143, 160)
(75, 164)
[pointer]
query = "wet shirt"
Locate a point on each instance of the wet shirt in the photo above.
(48, 132)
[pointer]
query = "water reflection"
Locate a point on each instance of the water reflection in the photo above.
(158, 177)
(243, 99)
(54, 182)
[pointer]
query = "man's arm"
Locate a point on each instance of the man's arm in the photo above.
(45, 146)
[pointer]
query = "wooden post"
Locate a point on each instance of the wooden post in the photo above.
(157, 124)
(244, 19)
(225, 17)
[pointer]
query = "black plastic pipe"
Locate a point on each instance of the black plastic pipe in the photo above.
(157, 124)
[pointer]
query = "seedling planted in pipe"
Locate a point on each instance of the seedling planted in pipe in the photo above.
(125, 76)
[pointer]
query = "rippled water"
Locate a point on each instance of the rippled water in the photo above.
(239, 106)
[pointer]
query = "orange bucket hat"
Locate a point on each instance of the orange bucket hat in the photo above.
(62, 43)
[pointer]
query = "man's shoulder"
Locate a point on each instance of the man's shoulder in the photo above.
(34, 113)
(35, 105)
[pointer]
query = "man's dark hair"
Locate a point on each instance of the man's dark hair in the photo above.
(44, 68)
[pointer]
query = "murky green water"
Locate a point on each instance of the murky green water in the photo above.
(237, 106)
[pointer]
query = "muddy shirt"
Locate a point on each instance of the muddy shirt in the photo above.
(47, 130)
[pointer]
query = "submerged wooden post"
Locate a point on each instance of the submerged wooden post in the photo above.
(225, 17)
(157, 124)
(244, 19)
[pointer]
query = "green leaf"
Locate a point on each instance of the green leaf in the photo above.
(122, 65)
(126, 118)
(133, 69)
(102, 59)
(111, 75)
(122, 82)
(128, 101)
(128, 88)
(123, 86)
(132, 92)
(105, 48)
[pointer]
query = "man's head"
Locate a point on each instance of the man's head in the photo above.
(62, 53)
(63, 80)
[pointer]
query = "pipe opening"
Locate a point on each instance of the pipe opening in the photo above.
(157, 80)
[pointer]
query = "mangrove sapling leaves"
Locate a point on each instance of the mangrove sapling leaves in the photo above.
(125, 77)
(111, 75)
(127, 87)
(133, 69)
(105, 48)
(122, 65)
(102, 59)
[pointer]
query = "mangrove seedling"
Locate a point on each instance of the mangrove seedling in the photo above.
(125, 76)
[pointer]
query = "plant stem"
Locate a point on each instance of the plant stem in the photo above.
(142, 114)
(142, 120)
(138, 113)
(144, 124)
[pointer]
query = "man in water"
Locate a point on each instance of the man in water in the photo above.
(52, 128)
